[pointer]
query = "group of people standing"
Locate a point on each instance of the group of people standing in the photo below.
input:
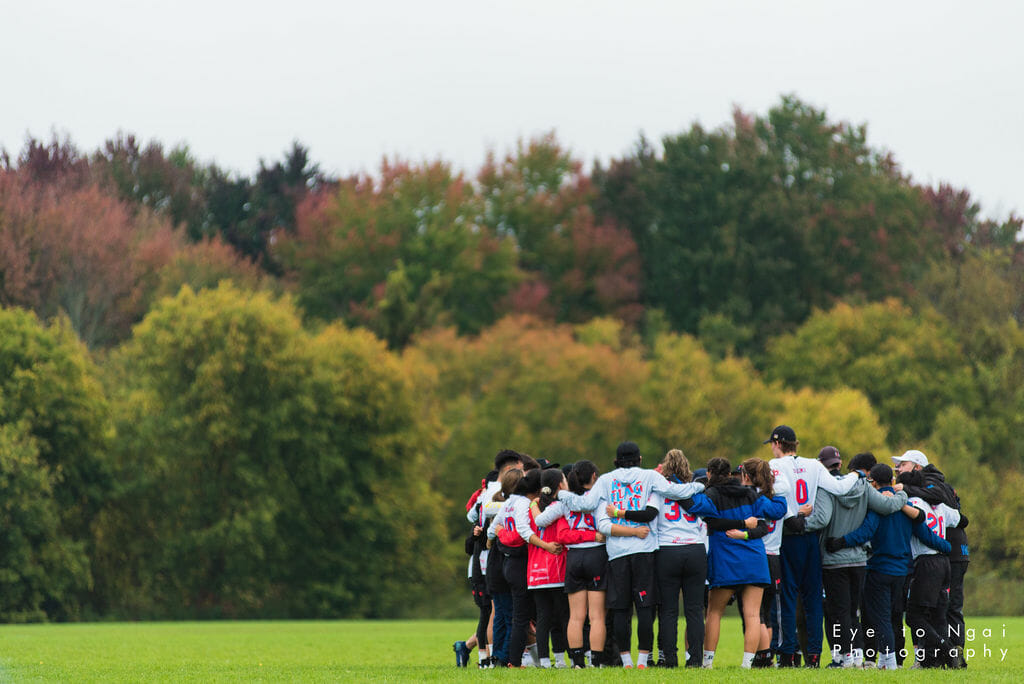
(792, 540)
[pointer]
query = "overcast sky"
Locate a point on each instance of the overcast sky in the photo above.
(938, 83)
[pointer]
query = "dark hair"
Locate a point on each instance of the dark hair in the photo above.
(760, 474)
(862, 461)
(550, 481)
(582, 473)
(505, 456)
(787, 447)
(719, 471)
(491, 476)
(529, 463)
(881, 474)
(530, 484)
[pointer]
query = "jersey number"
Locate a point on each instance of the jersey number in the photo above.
(586, 519)
(675, 512)
(801, 492)
(936, 525)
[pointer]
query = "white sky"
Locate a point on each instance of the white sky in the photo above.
(938, 83)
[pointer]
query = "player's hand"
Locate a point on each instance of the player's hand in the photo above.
(750, 522)
(477, 530)
(888, 493)
(600, 537)
(833, 544)
(642, 532)
(806, 509)
(555, 548)
(735, 534)
(897, 487)
(612, 511)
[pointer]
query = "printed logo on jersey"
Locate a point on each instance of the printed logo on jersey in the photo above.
(628, 496)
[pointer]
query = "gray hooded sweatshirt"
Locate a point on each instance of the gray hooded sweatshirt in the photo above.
(839, 515)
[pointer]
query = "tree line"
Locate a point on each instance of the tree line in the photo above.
(269, 396)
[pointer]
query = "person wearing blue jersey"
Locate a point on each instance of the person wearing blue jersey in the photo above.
(736, 564)
(801, 556)
(628, 489)
(888, 562)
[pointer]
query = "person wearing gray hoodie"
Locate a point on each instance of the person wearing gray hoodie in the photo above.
(843, 571)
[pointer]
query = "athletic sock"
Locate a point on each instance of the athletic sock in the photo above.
(560, 659)
(534, 654)
(545, 663)
(482, 654)
(590, 657)
(641, 659)
(858, 657)
(576, 655)
(627, 659)
(709, 658)
(748, 660)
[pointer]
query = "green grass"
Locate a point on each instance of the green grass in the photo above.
(341, 651)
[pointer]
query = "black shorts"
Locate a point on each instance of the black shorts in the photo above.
(768, 598)
(632, 580)
(929, 581)
(586, 569)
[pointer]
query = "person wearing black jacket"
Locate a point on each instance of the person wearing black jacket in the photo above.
(935, 490)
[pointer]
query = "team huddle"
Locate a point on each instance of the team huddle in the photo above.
(562, 557)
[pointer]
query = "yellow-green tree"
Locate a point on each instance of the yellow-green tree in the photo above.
(264, 468)
(908, 364)
(707, 407)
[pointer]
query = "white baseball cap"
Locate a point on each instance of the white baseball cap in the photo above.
(914, 456)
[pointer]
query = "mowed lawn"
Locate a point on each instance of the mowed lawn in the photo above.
(342, 651)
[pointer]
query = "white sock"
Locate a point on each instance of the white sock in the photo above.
(528, 659)
(534, 654)
(858, 657)
(482, 653)
(687, 656)
(560, 658)
(748, 659)
(545, 663)
(709, 658)
(641, 659)
(627, 659)
(490, 650)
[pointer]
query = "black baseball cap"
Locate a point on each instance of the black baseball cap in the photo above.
(829, 456)
(782, 433)
(545, 464)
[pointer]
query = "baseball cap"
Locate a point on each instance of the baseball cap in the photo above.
(914, 456)
(782, 433)
(545, 464)
(627, 452)
(829, 456)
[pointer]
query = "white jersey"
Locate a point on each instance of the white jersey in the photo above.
(629, 489)
(938, 518)
(676, 527)
(804, 476)
(513, 516)
(476, 516)
(577, 520)
(773, 540)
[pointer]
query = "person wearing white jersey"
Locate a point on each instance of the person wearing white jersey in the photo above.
(682, 565)
(513, 530)
(629, 488)
(801, 557)
(927, 598)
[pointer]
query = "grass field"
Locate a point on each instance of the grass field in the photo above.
(414, 651)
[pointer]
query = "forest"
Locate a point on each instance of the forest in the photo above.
(270, 395)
